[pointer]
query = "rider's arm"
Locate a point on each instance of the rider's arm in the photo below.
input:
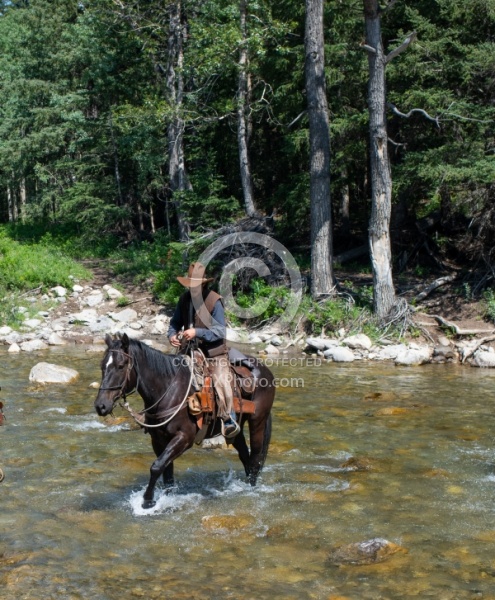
(175, 322)
(217, 330)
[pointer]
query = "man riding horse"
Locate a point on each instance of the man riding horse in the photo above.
(199, 319)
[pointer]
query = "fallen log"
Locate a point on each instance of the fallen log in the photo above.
(434, 285)
(457, 330)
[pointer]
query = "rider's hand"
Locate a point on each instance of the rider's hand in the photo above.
(174, 340)
(189, 334)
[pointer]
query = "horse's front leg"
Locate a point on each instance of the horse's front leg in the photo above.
(177, 445)
(159, 444)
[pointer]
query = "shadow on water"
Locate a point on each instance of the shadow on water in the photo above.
(360, 451)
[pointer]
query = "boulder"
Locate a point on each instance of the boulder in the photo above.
(483, 359)
(316, 343)
(269, 349)
(359, 341)
(339, 354)
(14, 348)
(48, 373)
(5, 330)
(413, 356)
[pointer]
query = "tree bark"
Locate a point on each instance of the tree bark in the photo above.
(242, 120)
(322, 281)
(179, 181)
(381, 180)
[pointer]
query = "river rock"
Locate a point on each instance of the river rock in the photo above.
(33, 345)
(78, 289)
(102, 324)
(270, 349)
(88, 315)
(390, 352)
(55, 340)
(276, 340)
(316, 343)
(483, 359)
(364, 553)
(125, 316)
(95, 298)
(413, 356)
(5, 330)
(227, 523)
(59, 291)
(339, 354)
(14, 348)
(48, 373)
(32, 323)
(359, 341)
(112, 293)
(233, 335)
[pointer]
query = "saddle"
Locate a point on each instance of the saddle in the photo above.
(245, 373)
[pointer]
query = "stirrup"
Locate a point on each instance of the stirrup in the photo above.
(230, 429)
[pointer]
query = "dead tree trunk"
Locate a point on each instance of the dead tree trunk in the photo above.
(322, 281)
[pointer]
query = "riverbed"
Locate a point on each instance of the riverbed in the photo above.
(359, 451)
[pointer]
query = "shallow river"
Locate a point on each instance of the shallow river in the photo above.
(71, 525)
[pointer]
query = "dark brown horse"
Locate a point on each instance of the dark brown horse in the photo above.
(163, 382)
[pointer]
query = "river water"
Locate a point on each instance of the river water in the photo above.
(359, 451)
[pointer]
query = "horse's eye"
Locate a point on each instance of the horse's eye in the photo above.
(121, 367)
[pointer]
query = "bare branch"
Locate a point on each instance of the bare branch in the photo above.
(409, 40)
(368, 48)
(296, 119)
(396, 111)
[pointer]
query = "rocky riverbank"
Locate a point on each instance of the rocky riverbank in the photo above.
(86, 313)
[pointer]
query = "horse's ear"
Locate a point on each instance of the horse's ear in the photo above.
(125, 342)
(108, 340)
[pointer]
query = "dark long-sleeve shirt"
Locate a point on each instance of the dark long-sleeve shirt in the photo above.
(213, 334)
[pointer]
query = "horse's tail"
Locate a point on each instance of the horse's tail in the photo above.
(267, 436)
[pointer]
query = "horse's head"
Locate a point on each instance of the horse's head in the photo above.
(116, 379)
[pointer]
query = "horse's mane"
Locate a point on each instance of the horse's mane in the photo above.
(166, 364)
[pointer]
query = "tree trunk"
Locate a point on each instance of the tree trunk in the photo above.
(322, 282)
(381, 181)
(179, 181)
(242, 121)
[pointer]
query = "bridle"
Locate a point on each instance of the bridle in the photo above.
(122, 393)
(138, 417)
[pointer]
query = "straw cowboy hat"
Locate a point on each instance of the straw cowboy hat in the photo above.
(195, 276)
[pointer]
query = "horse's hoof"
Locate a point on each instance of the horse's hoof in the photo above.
(148, 504)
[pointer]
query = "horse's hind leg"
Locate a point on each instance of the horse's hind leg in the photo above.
(240, 445)
(260, 434)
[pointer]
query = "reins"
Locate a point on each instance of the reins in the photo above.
(174, 411)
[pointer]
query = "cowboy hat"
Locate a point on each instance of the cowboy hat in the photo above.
(195, 276)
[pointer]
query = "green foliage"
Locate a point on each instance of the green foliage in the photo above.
(29, 266)
(489, 304)
(267, 302)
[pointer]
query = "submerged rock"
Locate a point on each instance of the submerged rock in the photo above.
(364, 553)
(47, 373)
